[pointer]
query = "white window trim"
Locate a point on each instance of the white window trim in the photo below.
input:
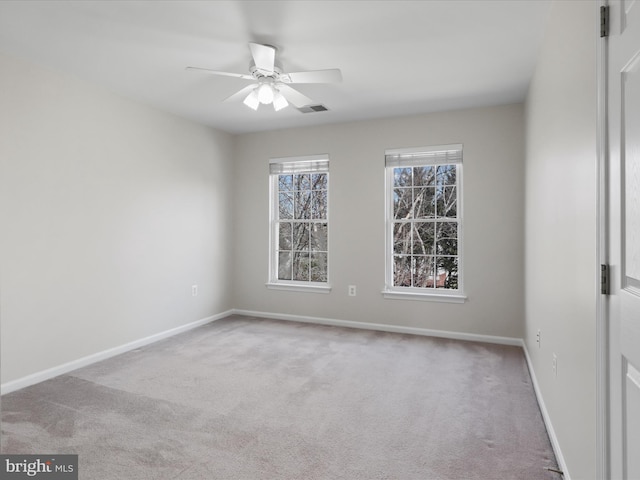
(291, 285)
(422, 294)
(425, 296)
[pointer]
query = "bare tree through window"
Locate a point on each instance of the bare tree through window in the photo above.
(425, 230)
(302, 226)
(424, 219)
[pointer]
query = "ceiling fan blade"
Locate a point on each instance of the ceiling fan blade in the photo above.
(264, 56)
(224, 74)
(294, 96)
(332, 75)
(241, 94)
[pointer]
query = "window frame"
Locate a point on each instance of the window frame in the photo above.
(274, 282)
(439, 158)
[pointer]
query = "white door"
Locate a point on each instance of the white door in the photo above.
(624, 237)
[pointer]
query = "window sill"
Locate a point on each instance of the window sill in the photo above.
(296, 287)
(425, 297)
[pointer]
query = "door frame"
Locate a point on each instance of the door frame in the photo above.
(602, 257)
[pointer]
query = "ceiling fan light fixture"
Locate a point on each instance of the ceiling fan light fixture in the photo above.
(265, 93)
(279, 102)
(252, 100)
(271, 84)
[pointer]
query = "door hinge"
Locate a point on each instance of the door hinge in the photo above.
(604, 21)
(604, 279)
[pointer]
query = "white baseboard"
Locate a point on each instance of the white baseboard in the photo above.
(555, 444)
(384, 327)
(38, 377)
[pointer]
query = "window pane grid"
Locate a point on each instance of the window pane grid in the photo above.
(425, 227)
(301, 227)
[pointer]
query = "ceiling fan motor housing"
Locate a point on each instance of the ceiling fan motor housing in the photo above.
(258, 74)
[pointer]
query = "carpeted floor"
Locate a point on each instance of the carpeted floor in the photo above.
(245, 398)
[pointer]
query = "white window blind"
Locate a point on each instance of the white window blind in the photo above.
(291, 165)
(438, 155)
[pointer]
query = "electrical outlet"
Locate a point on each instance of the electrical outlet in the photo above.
(538, 338)
(352, 290)
(555, 365)
(194, 290)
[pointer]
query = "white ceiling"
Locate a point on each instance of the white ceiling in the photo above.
(397, 57)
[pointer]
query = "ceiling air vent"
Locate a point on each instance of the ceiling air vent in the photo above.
(313, 108)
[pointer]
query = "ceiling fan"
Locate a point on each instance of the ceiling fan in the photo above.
(271, 84)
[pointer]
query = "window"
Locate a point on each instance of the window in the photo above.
(299, 223)
(424, 223)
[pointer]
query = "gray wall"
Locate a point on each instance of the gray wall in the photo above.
(561, 228)
(493, 215)
(110, 211)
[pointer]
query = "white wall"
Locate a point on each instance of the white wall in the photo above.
(109, 212)
(493, 212)
(561, 228)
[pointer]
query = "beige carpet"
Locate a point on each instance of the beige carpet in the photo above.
(246, 398)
